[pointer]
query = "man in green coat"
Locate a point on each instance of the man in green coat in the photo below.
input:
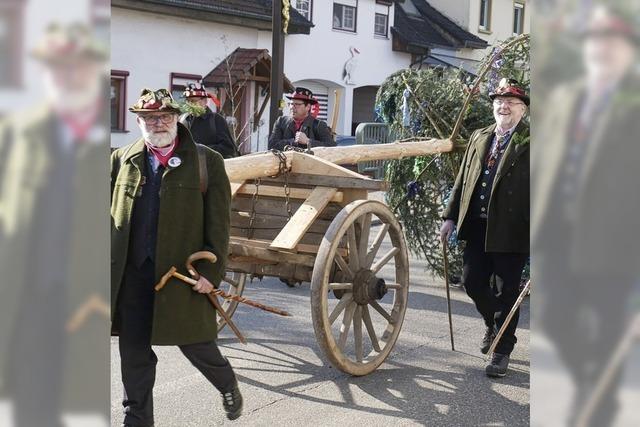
(169, 199)
(490, 203)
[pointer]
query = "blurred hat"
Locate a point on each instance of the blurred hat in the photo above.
(606, 20)
(195, 90)
(303, 94)
(159, 101)
(68, 43)
(510, 87)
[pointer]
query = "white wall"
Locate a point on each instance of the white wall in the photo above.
(456, 10)
(321, 55)
(152, 46)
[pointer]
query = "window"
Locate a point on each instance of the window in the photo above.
(381, 22)
(179, 82)
(485, 15)
(380, 28)
(118, 100)
(11, 37)
(305, 7)
(518, 18)
(344, 16)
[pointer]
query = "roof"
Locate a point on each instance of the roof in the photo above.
(243, 64)
(432, 29)
(240, 11)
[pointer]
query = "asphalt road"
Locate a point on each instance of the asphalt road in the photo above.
(286, 382)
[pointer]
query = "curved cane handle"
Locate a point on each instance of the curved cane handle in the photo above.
(196, 256)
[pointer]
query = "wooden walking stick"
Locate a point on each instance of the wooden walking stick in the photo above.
(446, 282)
(173, 272)
(503, 328)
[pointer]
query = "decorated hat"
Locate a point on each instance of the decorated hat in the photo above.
(303, 94)
(606, 20)
(195, 90)
(159, 101)
(510, 87)
(68, 43)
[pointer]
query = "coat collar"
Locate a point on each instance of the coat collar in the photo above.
(513, 150)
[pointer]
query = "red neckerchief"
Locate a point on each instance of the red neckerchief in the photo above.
(157, 151)
(81, 124)
(298, 123)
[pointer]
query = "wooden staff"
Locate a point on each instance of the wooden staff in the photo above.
(446, 282)
(503, 328)
(336, 111)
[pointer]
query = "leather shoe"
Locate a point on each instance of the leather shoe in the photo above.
(498, 366)
(487, 340)
(232, 402)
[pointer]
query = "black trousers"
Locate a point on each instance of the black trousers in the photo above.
(138, 361)
(493, 304)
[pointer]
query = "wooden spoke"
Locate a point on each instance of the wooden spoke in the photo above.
(346, 325)
(366, 317)
(365, 229)
(375, 247)
(382, 312)
(385, 259)
(357, 333)
(394, 286)
(341, 286)
(354, 262)
(346, 299)
(342, 264)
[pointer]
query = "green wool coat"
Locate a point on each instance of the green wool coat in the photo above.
(189, 221)
(508, 213)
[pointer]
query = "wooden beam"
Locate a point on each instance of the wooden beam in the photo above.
(235, 186)
(276, 191)
(362, 183)
(300, 222)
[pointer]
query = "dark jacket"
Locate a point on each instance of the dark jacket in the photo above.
(284, 132)
(508, 212)
(188, 221)
(211, 129)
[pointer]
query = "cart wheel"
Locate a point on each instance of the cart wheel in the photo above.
(233, 283)
(373, 268)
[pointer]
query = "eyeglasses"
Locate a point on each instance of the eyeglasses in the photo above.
(499, 102)
(297, 104)
(152, 119)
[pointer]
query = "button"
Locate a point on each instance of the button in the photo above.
(509, 192)
(509, 174)
(486, 172)
(484, 184)
(484, 209)
(482, 197)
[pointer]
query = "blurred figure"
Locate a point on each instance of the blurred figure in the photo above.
(585, 202)
(209, 128)
(489, 203)
(53, 212)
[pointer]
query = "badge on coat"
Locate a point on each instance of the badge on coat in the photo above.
(174, 162)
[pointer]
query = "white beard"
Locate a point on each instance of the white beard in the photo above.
(160, 139)
(72, 101)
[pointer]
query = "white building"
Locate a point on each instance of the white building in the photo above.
(343, 48)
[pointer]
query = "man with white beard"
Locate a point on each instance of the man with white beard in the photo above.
(170, 197)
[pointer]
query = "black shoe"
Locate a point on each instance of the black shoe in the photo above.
(498, 366)
(487, 340)
(232, 401)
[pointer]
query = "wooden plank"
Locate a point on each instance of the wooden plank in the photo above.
(278, 191)
(312, 165)
(273, 222)
(362, 183)
(301, 248)
(276, 207)
(300, 222)
(270, 235)
(237, 250)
